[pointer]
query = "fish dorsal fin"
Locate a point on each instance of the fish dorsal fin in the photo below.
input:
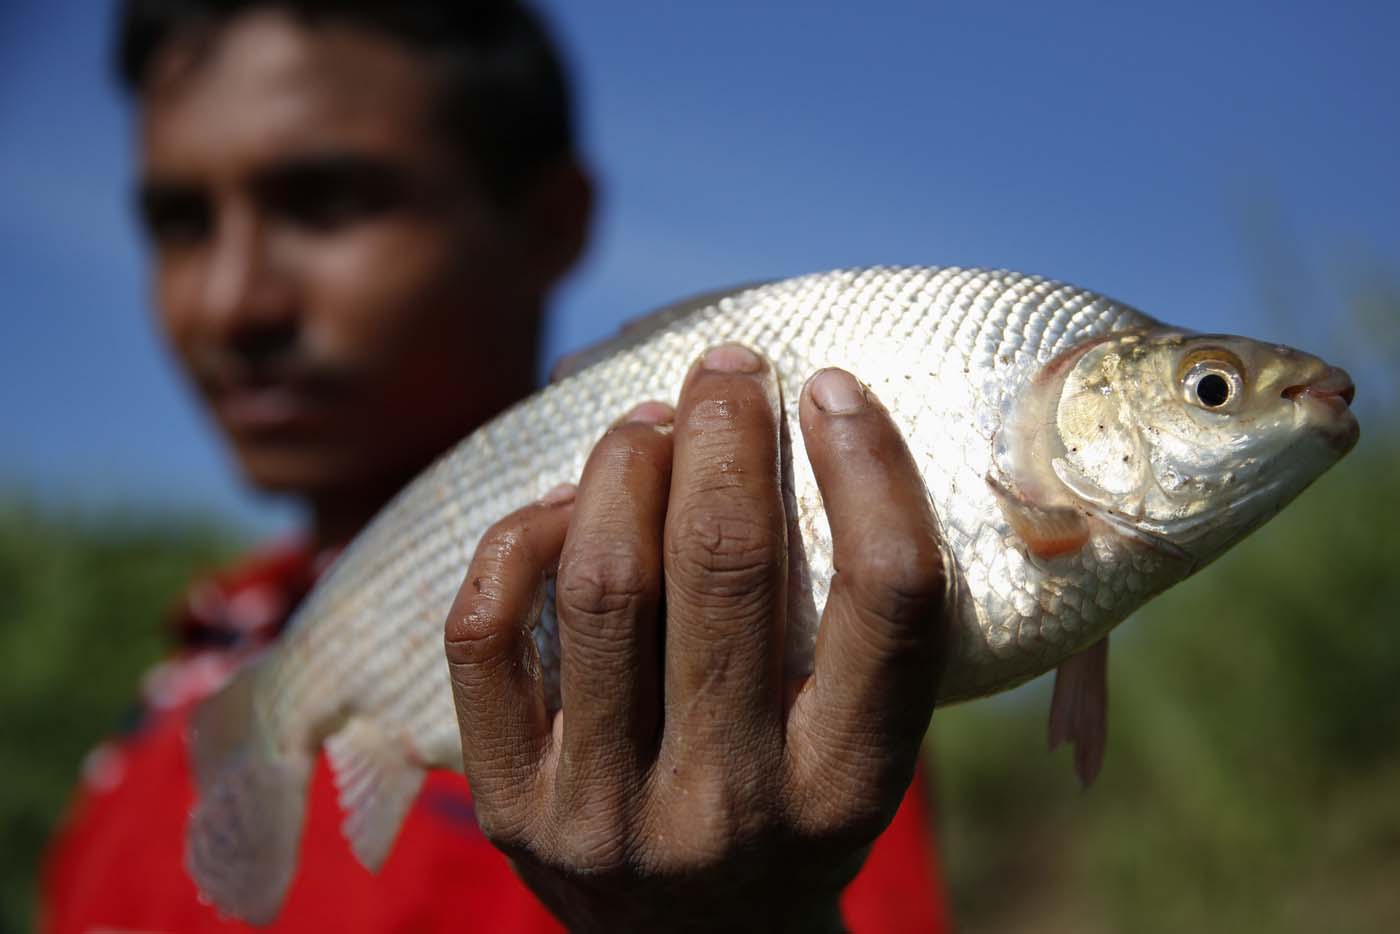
(1079, 709)
(378, 780)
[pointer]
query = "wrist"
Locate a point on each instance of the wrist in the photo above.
(802, 915)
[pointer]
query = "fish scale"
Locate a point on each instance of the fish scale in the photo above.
(950, 352)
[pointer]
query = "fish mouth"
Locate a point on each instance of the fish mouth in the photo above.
(1328, 399)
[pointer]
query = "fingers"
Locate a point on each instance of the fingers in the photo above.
(672, 568)
(874, 679)
(725, 558)
(491, 656)
(608, 594)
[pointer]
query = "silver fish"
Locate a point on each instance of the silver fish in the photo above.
(1081, 457)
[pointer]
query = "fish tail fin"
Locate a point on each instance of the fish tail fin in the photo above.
(243, 834)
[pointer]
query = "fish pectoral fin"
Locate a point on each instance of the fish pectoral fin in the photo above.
(1079, 710)
(1046, 531)
(378, 779)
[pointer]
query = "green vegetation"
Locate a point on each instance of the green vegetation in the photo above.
(1253, 774)
(81, 606)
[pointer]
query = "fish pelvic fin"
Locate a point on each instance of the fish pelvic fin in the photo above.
(1079, 709)
(378, 777)
(243, 835)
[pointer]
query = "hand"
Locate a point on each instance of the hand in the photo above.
(684, 785)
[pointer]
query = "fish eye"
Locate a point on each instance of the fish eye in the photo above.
(1212, 383)
(1213, 390)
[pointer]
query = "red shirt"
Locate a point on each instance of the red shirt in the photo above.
(117, 865)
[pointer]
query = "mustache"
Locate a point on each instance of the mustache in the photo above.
(219, 368)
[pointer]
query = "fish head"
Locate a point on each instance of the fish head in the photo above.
(1194, 440)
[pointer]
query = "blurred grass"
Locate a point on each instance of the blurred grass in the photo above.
(1253, 773)
(81, 605)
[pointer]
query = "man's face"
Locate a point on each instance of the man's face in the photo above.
(341, 293)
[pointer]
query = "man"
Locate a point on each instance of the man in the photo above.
(357, 212)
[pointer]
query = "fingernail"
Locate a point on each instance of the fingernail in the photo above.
(837, 392)
(561, 494)
(650, 413)
(732, 358)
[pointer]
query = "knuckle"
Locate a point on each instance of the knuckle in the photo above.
(897, 579)
(845, 782)
(713, 814)
(476, 632)
(504, 827)
(604, 584)
(590, 835)
(725, 553)
(841, 797)
(843, 820)
(598, 848)
(482, 622)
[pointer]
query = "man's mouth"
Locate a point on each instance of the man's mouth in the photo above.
(252, 408)
(256, 400)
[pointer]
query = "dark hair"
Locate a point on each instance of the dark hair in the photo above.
(505, 97)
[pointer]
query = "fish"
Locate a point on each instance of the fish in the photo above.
(1081, 457)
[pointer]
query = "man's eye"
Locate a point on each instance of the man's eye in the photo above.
(176, 219)
(330, 204)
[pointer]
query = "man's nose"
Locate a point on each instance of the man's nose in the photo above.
(246, 293)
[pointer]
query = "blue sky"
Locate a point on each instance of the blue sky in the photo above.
(1166, 154)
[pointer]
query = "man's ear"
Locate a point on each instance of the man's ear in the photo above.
(557, 217)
